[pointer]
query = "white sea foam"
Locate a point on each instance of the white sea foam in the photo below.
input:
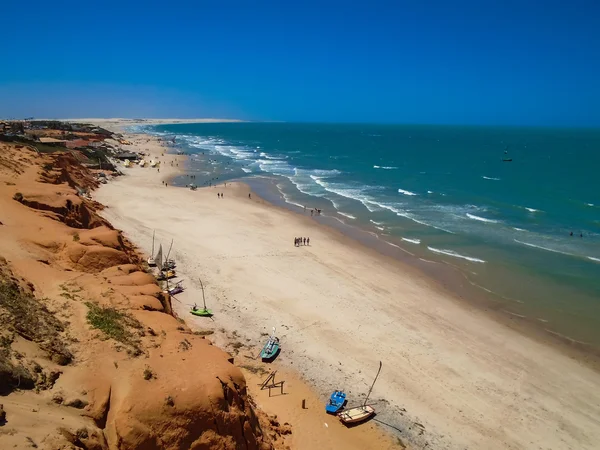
(594, 259)
(544, 248)
(349, 216)
(430, 192)
(490, 178)
(264, 155)
(402, 191)
(532, 210)
(455, 255)
(384, 167)
(590, 204)
(412, 241)
(380, 228)
(481, 219)
(393, 245)
(376, 223)
(518, 229)
(246, 170)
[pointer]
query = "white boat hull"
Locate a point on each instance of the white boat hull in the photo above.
(355, 415)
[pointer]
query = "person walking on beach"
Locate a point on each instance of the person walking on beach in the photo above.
(249, 195)
(221, 195)
(295, 242)
(308, 241)
(304, 241)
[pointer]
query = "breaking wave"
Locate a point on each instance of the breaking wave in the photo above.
(349, 216)
(402, 191)
(454, 254)
(481, 219)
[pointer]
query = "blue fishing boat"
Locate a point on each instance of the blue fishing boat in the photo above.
(271, 348)
(336, 402)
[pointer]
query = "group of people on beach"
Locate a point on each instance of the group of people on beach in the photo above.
(219, 195)
(301, 241)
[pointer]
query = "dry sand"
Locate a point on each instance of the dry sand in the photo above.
(452, 377)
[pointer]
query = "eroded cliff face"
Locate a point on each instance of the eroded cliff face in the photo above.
(90, 356)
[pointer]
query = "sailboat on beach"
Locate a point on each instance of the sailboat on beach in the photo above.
(202, 312)
(151, 260)
(360, 413)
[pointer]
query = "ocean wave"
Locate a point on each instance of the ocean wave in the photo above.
(430, 192)
(349, 216)
(518, 229)
(481, 219)
(246, 170)
(412, 241)
(593, 259)
(454, 254)
(384, 167)
(590, 204)
(528, 244)
(490, 178)
(380, 228)
(402, 191)
(531, 210)
(264, 155)
(376, 223)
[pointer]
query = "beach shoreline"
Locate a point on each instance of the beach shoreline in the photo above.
(427, 339)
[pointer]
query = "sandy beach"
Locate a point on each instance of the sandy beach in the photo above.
(452, 377)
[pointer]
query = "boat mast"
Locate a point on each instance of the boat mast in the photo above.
(203, 299)
(169, 252)
(152, 253)
(365, 403)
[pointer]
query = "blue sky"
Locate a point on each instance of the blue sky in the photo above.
(455, 62)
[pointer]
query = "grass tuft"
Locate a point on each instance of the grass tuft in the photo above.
(113, 323)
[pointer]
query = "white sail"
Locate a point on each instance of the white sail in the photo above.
(158, 258)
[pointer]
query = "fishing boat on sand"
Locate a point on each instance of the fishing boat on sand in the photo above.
(359, 413)
(271, 349)
(202, 312)
(166, 275)
(177, 289)
(336, 402)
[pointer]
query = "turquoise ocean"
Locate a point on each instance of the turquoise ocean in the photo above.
(442, 194)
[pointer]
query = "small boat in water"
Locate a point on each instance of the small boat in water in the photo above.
(506, 157)
(271, 348)
(359, 413)
(336, 402)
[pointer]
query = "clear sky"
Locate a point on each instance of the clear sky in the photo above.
(455, 62)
